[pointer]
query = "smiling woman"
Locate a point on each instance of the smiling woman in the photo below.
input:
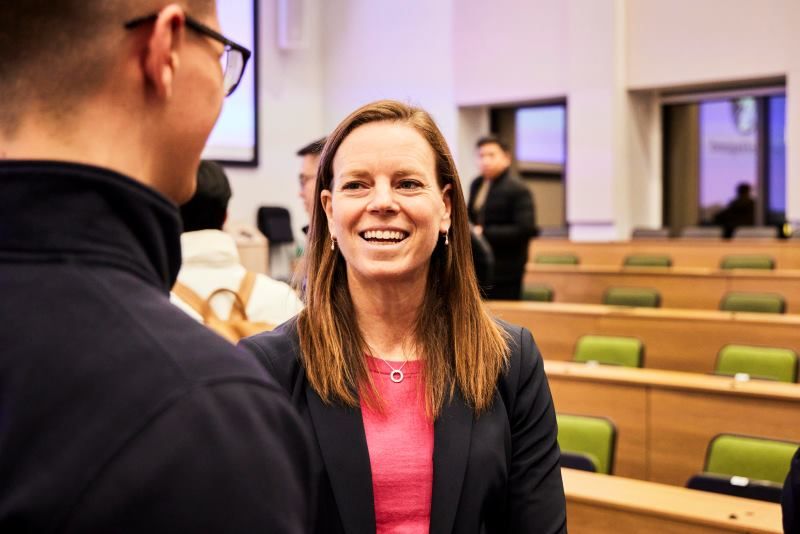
(385, 208)
(429, 414)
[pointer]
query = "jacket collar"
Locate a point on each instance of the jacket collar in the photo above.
(60, 211)
(500, 177)
(343, 444)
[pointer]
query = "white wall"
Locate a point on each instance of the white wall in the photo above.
(509, 50)
(376, 49)
(290, 107)
(687, 42)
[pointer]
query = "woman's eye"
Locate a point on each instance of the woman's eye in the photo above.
(352, 185)
(409, 184)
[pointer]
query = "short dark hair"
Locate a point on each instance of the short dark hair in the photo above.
(207, 209)
(492, 139)
(313, 148)
(743, 189)
(54, 53)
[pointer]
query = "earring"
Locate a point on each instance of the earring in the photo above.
(447, 238)
(333, 243)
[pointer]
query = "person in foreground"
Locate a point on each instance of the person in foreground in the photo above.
(429, 415)
(118, 412)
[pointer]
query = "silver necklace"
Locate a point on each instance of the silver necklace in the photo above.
(397, 374)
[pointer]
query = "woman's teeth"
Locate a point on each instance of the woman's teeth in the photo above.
(384, 235)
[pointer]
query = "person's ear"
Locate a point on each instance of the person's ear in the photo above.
(326, 198)
(162, 60)
(447, 201)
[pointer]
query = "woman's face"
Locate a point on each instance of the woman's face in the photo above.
(385, 207)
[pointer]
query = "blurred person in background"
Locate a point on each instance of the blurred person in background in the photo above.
(309, 164)
(211, 259)
(501, 209)
(741, 211)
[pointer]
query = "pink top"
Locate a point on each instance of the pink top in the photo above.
(400, 443)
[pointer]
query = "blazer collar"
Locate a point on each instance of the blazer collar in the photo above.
(452, 433)
(343, 443)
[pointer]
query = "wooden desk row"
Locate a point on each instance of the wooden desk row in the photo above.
(679, 340)
(602, 504)
(684, 252)
(665, 419)
(687, 287)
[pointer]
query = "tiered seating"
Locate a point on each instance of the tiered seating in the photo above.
(750, 261)
(636, 297)
(666, 419)
(678, 340)
(728, 433)
(647, 260)
(678, 287)
(587, 443)
(753, 302)
(705, 253)
(766, 363)
(609, 350)
(745, 466)
(600, 503)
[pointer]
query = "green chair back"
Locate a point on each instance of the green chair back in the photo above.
(610, 350)
(758, 362)
(753, 302)
(537, 293)
(556, 259)
(750, 457)
(593, 437)
(647, 260)
(632, 296)
(752, 261)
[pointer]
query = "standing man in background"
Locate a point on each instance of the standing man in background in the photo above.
(309, 164)
(118, 412)
(501, 209)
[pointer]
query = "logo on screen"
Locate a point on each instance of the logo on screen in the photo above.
(745, 115)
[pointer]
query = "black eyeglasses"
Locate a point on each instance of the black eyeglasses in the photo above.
(234, 58)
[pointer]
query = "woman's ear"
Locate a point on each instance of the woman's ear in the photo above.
(447, 202)
(326, 198)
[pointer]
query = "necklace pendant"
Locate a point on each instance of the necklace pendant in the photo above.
(396, 376)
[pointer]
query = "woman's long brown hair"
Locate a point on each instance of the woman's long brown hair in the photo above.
(462, 347)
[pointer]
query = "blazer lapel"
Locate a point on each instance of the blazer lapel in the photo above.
(343, 443)
(451, 441)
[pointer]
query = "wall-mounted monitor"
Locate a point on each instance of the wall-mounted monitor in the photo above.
(540, 138)
(234, 140)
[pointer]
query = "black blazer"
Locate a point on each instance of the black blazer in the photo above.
(495, 474)
(509, 222)
(790, 499)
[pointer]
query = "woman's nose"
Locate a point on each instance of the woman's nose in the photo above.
(383, 198)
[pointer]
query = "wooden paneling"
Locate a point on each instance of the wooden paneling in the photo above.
(680, 340)
(625, 405)
(600, 504)
(665, 419)
(686, 288)
(684, 252)
(682, 423)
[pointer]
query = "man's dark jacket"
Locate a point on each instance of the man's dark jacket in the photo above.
(118, 413)
(508, 222)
